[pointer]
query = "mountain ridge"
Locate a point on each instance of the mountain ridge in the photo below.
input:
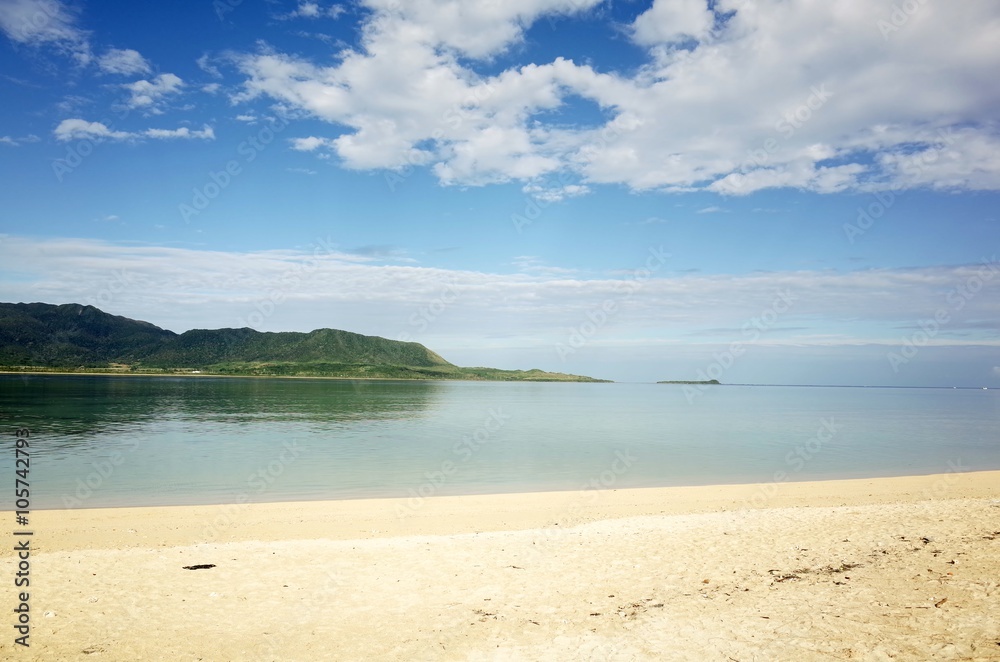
(83, 338)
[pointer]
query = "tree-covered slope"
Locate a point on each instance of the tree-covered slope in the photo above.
(39, 334)
(72, 335)
(205, 347)
(76, 337)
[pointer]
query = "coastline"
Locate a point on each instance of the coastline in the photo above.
(890, 568)
(347, 519)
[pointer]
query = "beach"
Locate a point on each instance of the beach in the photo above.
(900, 568)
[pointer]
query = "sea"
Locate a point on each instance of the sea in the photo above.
(98, 441)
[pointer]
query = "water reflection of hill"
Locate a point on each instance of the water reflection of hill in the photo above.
(88, 405)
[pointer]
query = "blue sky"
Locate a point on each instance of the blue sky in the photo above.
(770, 192)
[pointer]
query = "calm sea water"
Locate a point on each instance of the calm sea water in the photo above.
(100, 441)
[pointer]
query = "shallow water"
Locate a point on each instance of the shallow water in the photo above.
(101, 441)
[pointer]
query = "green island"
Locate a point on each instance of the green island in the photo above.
(75, 338)
(709, 381)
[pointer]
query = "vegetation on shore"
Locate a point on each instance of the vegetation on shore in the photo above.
(709, 381)
(38, 337)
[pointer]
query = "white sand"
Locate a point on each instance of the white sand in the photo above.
(868, 570)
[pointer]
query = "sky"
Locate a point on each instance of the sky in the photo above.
(778, 191)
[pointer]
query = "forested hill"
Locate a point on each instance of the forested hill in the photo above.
(78, 337)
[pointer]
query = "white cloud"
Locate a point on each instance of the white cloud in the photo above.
(669, 21)
(124, 62)
(554, 193)
(22, 140)
(205, 64)
(309, 144)
(79, 129)
(149, 94)
(211, 88)
(315, 10)
(469, 27)
(956, 159)
(45, 23)
(782, 93)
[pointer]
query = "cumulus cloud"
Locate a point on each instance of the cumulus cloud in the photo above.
(149, 94)
(734, 97)
(669, 21)
(49, 23)
(309, 144)
(79, 129)
(124, 62)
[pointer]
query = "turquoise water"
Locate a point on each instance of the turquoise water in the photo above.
(100, 441)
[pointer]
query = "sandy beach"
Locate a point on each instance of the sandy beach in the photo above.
(884, 569)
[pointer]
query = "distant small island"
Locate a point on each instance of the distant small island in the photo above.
(41, 337)
(710, 381)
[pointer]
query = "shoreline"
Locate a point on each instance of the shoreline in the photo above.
(348, 519)
(592, 380)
